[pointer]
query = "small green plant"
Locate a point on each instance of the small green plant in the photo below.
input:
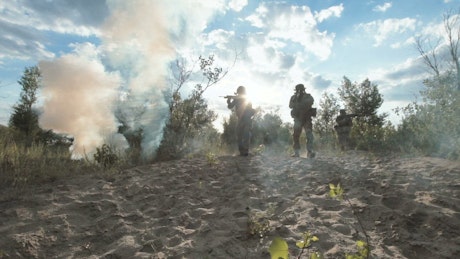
(280, 249)
(212, 159)
(105, 156)
(363, 251)
(258, 225)
(305, 243)
(259, 149)
(337, 192)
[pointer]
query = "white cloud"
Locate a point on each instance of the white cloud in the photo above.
(257, 19)
(333, 11)
(72, 17)
(408, 42)
(296, 24)
(237, 5)
(381, 30)
(382, 8)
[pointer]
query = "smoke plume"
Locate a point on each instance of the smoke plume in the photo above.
(81, 90)
(79, 95)
(125, 73)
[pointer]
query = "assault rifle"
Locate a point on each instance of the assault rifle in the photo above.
(352, 115)
(230, 96)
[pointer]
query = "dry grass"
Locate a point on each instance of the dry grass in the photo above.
(22, 167)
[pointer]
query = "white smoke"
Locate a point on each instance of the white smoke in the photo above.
(79, 96)
(139, 40)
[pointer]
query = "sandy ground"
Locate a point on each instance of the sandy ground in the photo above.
(234, 207)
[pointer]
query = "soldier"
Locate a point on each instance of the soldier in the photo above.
(302, 112)
(343, 128)
(244, 112)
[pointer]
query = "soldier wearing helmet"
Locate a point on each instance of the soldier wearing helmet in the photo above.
(343, 128)
(302, 112)
(244, 112)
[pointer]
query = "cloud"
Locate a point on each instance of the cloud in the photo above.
(403, 81)
(66, 16)
(20, 42)
(381, 30)
(237, 5)
(382, 8)
(296, 24)
(333, 11)
(24, 22)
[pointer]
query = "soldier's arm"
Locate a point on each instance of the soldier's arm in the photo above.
(291, 102)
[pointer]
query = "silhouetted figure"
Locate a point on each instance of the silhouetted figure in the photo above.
(244, 112)
(302, 112)
(343, 128)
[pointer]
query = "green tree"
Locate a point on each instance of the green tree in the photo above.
(228, 136)
(24, 118)
(189, 117)
(432, 127)
(364, 99)
(325, 120)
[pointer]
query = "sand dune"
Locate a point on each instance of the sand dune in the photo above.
(194, 208)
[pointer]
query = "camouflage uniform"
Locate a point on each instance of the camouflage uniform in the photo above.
(343, 129)
(244, 112)
(301, 111)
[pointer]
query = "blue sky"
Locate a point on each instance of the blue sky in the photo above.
(129, 44)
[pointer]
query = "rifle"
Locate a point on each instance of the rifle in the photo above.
(352, 115)
(230, 96)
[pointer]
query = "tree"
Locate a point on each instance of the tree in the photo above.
(325, 119)
(364, 100)
(24, 117)
(189, 116)
(432, 127)
(432, 54)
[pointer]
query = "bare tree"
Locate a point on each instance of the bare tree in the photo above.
(452, 28)
(430, 52)
(429, 57)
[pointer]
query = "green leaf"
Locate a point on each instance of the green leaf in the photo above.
(361, 243)
(300, 244)
(315, 238)
(316, 255)
(279, 249)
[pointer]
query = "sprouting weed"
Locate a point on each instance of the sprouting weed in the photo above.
(258, 225)
(211, 158)
(363, 251)
(336, 191)
(308, 238)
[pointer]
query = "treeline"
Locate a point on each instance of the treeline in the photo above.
(430, 127)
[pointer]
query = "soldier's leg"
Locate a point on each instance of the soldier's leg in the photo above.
(239, 137)
(246, 139)
(296, 137)
(309, 136)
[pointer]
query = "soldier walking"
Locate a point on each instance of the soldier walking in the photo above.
(302, 112)
(343, 128)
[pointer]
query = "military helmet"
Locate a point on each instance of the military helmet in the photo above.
(299, 87)
(241, 90)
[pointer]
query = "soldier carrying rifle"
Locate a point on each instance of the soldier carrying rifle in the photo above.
(343, 128)
(302, 112)
(244, 112)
